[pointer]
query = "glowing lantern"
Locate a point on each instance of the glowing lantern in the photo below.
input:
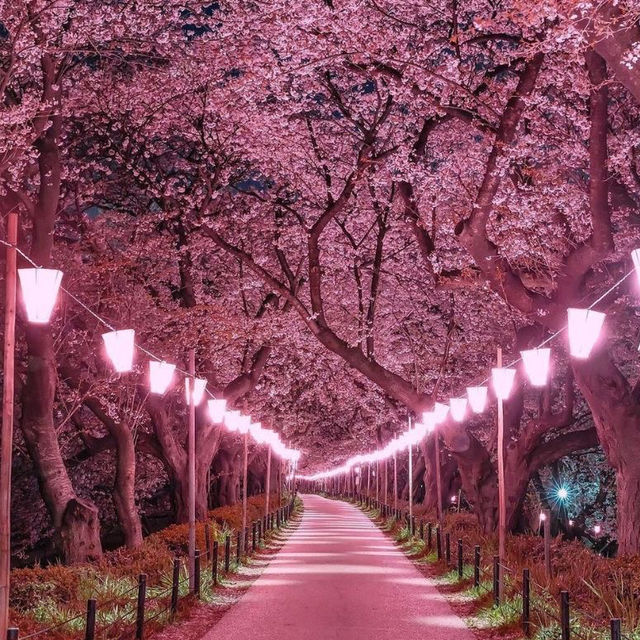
(429, 421)
(584, 328)
(244, 422)
(231, 419)
(160, 376)
(503, 378)
(199, 385)
(458, 408)
(477, 398)
(440, 412)
(39, 292)
(543, 516)
(120, 346)
(257, 432)
(635, 255)
(536, 364)
(454, 499)
(597, 529)
(217, 407)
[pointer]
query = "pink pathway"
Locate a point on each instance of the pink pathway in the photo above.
(338, 577)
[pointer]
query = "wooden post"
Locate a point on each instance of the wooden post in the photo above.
(175, 586)
(90, 625)
(386, 480)
(564, 615)
(460, 559)
(502, 504)
(142, 596)
(268, 481)
(6, 446)
(526, 586)
(616, 631)
(207, 540)
(214, 563)
(410, 477)
(377, 482)
(436, 447)
(496, 580)
(447, 548)
(12, 634)
(227, 553)
(546, 528)
(191, 454)
(476, 566)
(244, 481)
(439, 543)
(369, 482)
(395, 481)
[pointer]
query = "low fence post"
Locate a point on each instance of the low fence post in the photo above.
(413, 525)
(142, 596)
(175, 585)
(439, 543)
(422, 530)
(476, 566)
(616, 631)
(90, 626)
(460, 559)
(526, 586)
(214, 563)
(12, 634)
(227, 553)
(196, 572)
(238, 547)
(207, 539)
(429, 536)
(253, 536)
(564, 615)
(447, 547)
(496, 580)
(246, 541)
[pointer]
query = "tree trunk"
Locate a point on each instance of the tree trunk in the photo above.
(616, 414)
(124, 485)
(75, 520)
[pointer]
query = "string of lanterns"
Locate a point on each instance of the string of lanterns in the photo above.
(40, 288)
(584, 327)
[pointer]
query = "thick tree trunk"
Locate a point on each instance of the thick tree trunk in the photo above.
(616, 414)
(124, 486)
(75, 520)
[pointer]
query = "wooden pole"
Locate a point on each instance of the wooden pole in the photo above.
(395, 481)
(410, 480)
(436, 437)
(546, 529)
(377, 480)
(369, 480)
(502, 505)
(244, 481)
(268, 482)
(386, 480)
(191, 453)
(7, 420)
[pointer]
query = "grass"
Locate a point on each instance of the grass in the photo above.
(42, 597)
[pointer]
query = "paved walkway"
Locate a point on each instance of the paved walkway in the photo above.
(339, 578)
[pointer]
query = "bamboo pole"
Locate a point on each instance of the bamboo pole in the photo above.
(502, 506)
(7, 421)
(191, 453)
(410, 480)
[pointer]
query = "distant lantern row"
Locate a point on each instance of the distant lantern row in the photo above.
(584, 326)
(40, 291)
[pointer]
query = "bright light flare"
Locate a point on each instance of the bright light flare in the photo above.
(39, 292)
(584, 329)
(440, 412)
(160, 376)
(217, 408)
(120, 346)
(231, 419)
(458, 408)
(503, 379)
(477, 398)
(195, 397)
(536, 364)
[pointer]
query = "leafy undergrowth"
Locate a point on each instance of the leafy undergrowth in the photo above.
(600, 588)
(43, 597)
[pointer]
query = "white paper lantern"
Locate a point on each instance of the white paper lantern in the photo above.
(477, 398)
(536, 364)
(217, 407)
(244, 423)
(160, 376)
(231, 419)
(199, 385)
(458, 408)
(635, 256)
(584, 329)
(440, 412)
(429, 420)
(39, 292)
(503, 378)
(120, 346)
